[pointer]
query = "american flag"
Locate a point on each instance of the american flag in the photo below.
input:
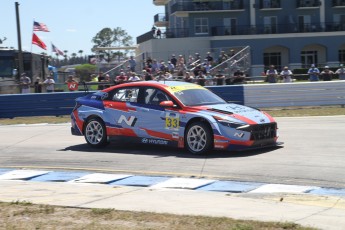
(56, 50)
(40, 27)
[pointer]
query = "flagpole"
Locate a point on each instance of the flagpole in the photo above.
(20, 52)
(33, 21)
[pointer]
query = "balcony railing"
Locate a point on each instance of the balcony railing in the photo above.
(307, 3)
(160, 20)
(249, 30)
(207, 6)
(270, 4)
(338, 3)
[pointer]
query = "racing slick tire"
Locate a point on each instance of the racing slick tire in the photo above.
(95, 133)
(198, 138)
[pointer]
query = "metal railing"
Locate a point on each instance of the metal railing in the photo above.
(240, 60)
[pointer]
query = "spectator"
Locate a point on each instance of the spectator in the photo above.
(220, 78)
(107, 80)
(327, 74)
(132, 64)
(201, 78)
(146, 76)
(122, 78)
(100, 78)
(209, 58)
(72, 84)
(238, 78)
(286, 74)
(341, 72)
(209, 79)
(188, 77)
(313, 73)
(271, 75)
(171, 67)
(159, 33)
(153, 30)
(160, 76)
(134, 77)
(173, 60)
(24, 83)
(38, 85)
(49, 83)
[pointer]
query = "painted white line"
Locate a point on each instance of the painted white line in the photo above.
(183, 183)
(281, 188)
(21, 174)
(99, 178)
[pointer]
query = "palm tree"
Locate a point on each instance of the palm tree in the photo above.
(80, 52)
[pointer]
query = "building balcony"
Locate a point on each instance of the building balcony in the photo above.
(307, 3)
(248, 30)
(160, 2)
(198, 6)
(160, 20)
(270, 4)
(338, 3)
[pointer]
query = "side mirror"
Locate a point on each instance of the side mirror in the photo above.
(167, 104)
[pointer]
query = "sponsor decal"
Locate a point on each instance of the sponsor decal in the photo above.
(154, 141)
(129, 121)
(180, 88)
(240, 135)
(172, 121)
(175, 135)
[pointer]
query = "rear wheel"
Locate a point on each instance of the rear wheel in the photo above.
(95, 133)
(198, 138)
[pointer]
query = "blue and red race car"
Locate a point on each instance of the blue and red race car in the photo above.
(173, 113)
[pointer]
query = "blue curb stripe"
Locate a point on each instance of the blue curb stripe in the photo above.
(147, 181)
(328, 191)
(144, 181)
(230, 186)
(59, 176)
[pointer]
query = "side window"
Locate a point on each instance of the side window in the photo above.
(126, 94)
(155, 96)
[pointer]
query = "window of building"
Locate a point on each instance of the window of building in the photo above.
(230, 26)
(341, 56)
(270, 24)
(304, 23)
(339, 22)
(273, 58)
(201, 26)
(308, 58)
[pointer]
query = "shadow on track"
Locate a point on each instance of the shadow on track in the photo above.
(165, 151)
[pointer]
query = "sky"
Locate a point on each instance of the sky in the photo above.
(73, 23)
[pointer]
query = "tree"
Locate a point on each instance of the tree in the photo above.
(80, 52)
(108, 37)
(83, 72)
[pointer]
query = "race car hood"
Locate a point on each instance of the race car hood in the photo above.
(239, 113)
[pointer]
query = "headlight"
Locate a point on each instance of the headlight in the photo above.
(231, 124)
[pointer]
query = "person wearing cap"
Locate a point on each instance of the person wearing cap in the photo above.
(72, 84)
(38, 85)
(327, 74)
(313, 73)
(271, 74)
(173, 60)
(24, 83)
(49, 83)
(341, 72)
(286, 74)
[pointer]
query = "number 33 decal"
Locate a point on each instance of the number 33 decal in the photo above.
(172, 121)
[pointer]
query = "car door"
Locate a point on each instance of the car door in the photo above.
(120, 112)
(157, 124)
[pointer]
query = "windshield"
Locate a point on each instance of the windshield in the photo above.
(193, 97)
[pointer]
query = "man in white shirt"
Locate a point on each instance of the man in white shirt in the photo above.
(49, 83)
(286, 74)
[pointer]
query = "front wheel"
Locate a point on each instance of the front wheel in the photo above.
(95, 133)
(198, 138)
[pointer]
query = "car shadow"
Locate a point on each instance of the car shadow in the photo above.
(165, 151)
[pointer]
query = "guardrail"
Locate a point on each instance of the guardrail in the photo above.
(260, 96)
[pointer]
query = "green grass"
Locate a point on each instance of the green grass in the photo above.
(275, 112)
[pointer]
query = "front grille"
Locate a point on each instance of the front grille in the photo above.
(262, 131)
